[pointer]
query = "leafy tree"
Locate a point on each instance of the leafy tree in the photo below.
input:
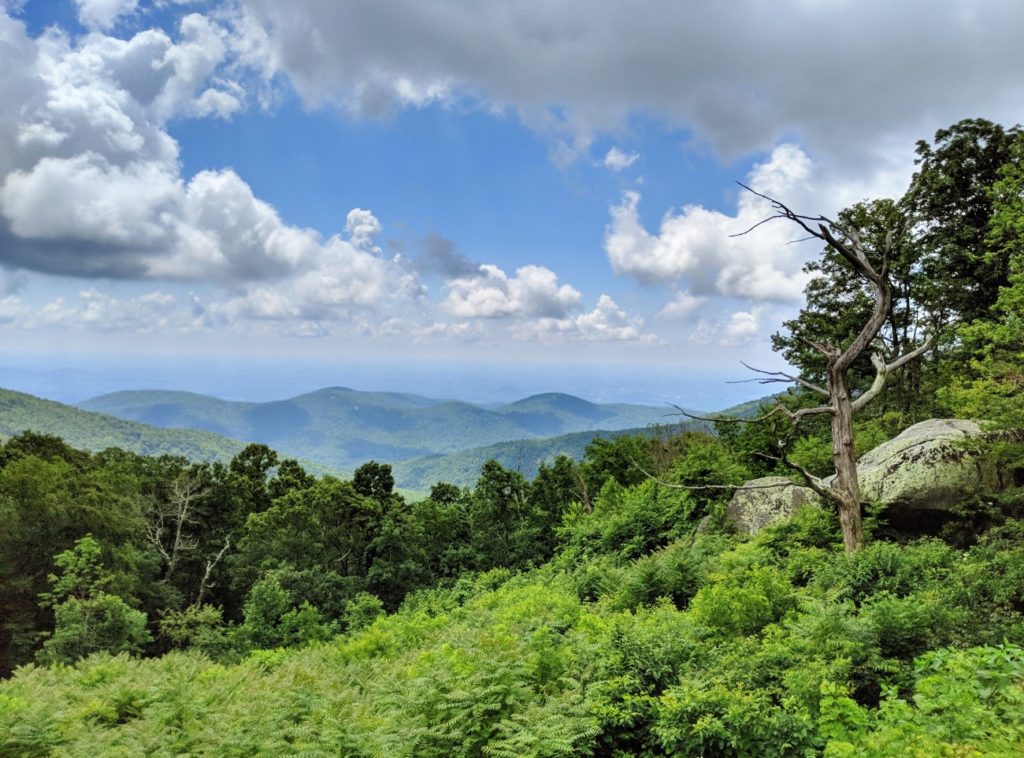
(951, 203)
(362, 610)
(323, 534)
(89, 619)
(101, 623)
(289, 476)
(45, 505)
(200, 627)
(272, 618)
(501, 530)
(706, 466)
(992, 386)
(46, 447)
(623, 458)
(554, 489)
(250, 470)
(374, 480)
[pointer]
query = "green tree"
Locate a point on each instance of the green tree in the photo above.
(200, 627)
(250, 470)
(501, 528)
(951, 203)
(374, 480)
(88, 619)
(991, 384)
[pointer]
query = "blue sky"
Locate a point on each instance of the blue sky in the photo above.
(253, 198)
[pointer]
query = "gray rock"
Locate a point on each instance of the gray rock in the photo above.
(927, 467)
(766, 500)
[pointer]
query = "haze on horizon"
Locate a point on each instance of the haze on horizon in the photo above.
(255, 199)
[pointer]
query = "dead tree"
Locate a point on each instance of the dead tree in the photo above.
(211, 564)
(166, 522)
(840, 404)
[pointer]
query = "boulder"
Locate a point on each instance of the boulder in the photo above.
(926, 467)
(763, 501)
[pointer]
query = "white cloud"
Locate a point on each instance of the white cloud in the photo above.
(607, 322)
(11, 308)
(617, 160)
(738, 328)
(150, 312)
(91, 185)
(742, 75)
(362, 227)
(696, 245)
(682, 306)
(87, 198)
(90, 182)
(344, 278)
(217, 102)
(101, 14)
(533, 292)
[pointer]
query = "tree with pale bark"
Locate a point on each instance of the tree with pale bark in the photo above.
(871, 264)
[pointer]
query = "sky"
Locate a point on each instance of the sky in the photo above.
(470, 199)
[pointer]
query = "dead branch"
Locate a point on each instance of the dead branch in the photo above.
(810, 479)
(825, 349)
(771, 377)
(211, 563)
(882, 371)
(734, 487)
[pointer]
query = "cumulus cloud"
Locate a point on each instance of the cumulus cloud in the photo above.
(91, 184)
(695, 244)
(149, 312)
(607, 322)
(89, 179)
(101, 14)
(741, 75)
(736, 328)
(682, 306)
(348, 275)
(617, 160)
(534, 291)
(362, 227)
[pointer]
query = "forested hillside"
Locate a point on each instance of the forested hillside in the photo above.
(342, 428)
(154, 606)
(522, 456)
(95, 431)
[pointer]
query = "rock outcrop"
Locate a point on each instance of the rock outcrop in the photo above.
(926, 467)
(766, 500)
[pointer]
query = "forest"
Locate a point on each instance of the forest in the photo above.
(160, 606)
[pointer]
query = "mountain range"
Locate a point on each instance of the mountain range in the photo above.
(341, 428)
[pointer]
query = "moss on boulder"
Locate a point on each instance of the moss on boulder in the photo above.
(766, 500)
(929, 466)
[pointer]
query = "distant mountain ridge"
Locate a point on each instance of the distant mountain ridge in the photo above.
(342, 428)
(88, 430)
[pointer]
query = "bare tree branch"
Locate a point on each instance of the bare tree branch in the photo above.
(165, 522)
(780, 376)
(882, 371)
(734, 487)
(810, 479)
(211, 563)
(825, 349)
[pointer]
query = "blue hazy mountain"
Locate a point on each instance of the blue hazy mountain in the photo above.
(341, 427)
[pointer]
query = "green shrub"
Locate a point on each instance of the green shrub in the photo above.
(744, 607)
